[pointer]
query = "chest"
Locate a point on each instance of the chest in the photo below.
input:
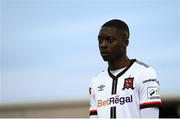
(124, 86)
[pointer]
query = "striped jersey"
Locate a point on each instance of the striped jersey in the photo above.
(124, 95)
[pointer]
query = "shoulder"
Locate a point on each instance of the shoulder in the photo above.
(142, 64)
(100, 77)
(145, 69)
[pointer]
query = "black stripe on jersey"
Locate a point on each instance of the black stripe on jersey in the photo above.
(152, 105)
(93, 112)
(114, 85)
(113, 112)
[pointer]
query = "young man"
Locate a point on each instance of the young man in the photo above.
(128, 88)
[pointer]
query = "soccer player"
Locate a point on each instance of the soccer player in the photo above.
(128, 88)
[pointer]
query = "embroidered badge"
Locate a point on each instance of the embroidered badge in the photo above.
(128, 83)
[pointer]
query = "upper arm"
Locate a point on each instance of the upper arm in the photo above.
(149, 90)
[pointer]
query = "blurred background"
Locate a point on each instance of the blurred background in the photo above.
(49, 52)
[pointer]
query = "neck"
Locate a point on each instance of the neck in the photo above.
(119, 63)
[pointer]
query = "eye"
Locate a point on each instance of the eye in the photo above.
(100, 39)
(110, 39)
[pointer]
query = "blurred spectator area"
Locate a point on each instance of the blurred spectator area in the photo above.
(170, 109)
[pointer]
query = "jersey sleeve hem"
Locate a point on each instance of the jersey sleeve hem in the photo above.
(150, 104)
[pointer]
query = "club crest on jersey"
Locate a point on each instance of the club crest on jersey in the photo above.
(128, 83)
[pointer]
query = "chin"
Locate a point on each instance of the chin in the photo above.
(105, 58)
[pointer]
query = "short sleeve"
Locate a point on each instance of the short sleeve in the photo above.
(93, 108)
(149, 89)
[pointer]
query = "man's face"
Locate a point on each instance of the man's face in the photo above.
(110, 44)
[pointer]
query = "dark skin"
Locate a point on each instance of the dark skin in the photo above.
(112, 47)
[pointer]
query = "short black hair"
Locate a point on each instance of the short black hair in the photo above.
(119, 25)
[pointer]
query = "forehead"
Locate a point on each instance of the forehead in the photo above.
(104, 31)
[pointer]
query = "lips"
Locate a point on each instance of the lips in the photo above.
(104, 53)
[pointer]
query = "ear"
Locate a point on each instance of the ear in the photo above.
(125, 42)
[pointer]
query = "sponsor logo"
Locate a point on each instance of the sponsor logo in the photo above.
(153, 92)
(101, 87)
(128, 83)
(151, 80)
(115, 100)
